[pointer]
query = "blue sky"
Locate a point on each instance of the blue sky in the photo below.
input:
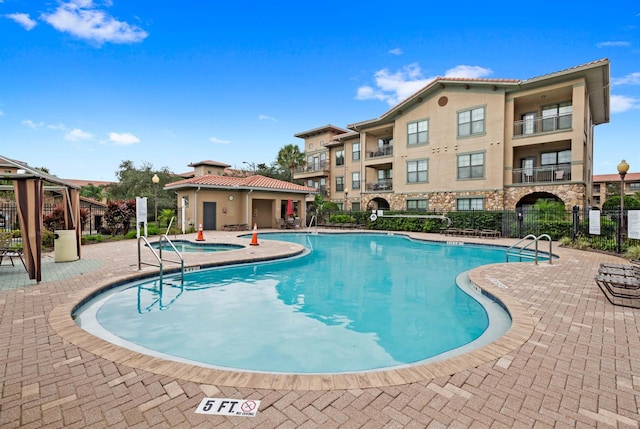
(85, 85)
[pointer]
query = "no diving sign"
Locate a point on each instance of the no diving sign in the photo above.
(229, 407)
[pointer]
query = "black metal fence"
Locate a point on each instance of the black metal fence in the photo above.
(558, 224)
(91, 224)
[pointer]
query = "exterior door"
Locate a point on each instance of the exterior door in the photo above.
(528, 123)
(209, 216)
(527, 169)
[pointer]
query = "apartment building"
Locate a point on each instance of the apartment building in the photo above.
(465, 144)
(607, 185)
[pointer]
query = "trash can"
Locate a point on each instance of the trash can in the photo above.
(65, 247)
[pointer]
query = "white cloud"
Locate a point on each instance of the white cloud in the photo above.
(1, 112)
(219, 141)
(397, 86)
(267, 118)
(77, 134)
(123, 139)
(622, 103)
(472, 72)
(29, 123)
(22, 19)
(81, 19)
(619, 44)
(396, 51)
(630, 79)
(57, 127)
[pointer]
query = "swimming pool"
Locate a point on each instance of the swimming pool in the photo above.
(185, 246)
(357, 302)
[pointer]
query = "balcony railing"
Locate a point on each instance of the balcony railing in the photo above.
(539, 125)
(381, 185)
(546, 174)
(312, 168)
(386, 150)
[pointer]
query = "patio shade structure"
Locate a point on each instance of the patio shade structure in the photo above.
(29, 200)
(29, 187)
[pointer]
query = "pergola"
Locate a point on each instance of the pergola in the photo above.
(29, 187)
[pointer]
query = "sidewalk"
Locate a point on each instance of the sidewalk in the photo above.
(579, 368)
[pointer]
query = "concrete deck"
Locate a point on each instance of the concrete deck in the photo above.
(571, 359)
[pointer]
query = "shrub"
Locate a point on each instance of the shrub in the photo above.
(341, 218)
(633, 252)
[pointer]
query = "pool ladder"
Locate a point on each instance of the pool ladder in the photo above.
(158, 255)
(511, 251)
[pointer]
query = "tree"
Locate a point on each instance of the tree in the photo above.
(136, 182)
(613, 203)
(118, 216)
(92, 191)
(274, 170)
(165, 216)
(290, 157)
(550, 209)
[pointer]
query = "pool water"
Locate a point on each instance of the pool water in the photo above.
(356, 302)
(184, 246)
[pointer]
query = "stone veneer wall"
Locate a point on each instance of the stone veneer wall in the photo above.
(570, 194)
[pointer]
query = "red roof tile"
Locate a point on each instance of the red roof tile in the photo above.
(251, 182)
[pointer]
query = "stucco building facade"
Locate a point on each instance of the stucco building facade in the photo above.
(463, 144)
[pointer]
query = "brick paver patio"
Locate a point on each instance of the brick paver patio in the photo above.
(579, 367)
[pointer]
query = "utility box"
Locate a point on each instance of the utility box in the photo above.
(65, 245)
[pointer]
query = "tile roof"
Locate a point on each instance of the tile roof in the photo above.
(630, 177)
(251, 182)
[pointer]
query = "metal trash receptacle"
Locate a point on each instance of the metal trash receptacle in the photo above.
(65, 247)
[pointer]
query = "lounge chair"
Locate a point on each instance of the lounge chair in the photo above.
(8, 251)
(618, 287)
(625, 270)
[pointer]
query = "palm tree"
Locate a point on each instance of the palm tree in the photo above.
(290, 157)
(92, 191)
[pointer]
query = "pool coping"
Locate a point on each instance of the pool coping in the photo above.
(522, 327)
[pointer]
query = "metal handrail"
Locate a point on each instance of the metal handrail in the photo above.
(153, 251)
(523, 248)
(311, 223)
(158, 256)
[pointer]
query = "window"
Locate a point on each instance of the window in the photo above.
(355, 206)
(471, 122)
(528, 123)
(555, 158)
(418, 132)
(340, 157)
(417, 171)
(463, 204)
(417, 205)
(385, 174)
(355, 180)
(471, 166)
(355, 151)
(339, 184)
(634, 186)
(557, 116)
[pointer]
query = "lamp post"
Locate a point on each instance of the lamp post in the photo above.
(252, 166)
(155, 179)
(623, 167)
(346, 198)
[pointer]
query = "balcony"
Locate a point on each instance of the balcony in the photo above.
(381, 185)
(546, 174)
(541, 125)
(386, 150)
(313, 168)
